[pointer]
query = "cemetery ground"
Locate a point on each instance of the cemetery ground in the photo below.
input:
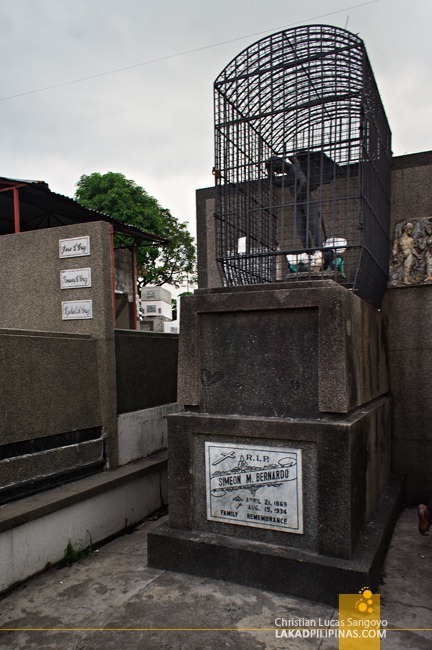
(112, 598)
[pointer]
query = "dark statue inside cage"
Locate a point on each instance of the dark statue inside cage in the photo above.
(302, 164)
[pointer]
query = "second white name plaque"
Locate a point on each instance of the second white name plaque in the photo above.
(250, 485)
(75, 278)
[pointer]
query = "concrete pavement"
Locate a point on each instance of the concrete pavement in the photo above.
(112, 599)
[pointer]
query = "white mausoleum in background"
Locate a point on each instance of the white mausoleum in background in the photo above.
(156, 308)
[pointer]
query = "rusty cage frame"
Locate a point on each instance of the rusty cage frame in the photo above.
(302, 163)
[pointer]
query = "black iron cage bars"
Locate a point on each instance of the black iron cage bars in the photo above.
(302, 163)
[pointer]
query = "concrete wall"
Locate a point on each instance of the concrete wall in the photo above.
(51, 425)
(409, 311)
(208, 272)
(60, 376)
(58, 401)
(408, 314)
(35, 532)
(146, 369)
(143, 433)
(48, 384)
(31, 298)
(273, 365)
(146, 378)
(411, 187)
(30, 292)
(289, 367)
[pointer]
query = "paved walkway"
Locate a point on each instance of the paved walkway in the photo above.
(113, 599)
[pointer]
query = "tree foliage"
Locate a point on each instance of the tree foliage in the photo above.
(121, 198)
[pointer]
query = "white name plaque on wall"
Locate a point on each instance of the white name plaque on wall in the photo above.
(77, 309)
(74, 247)
(75, 278)
(256, 486)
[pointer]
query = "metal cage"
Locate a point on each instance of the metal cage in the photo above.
(302, 163)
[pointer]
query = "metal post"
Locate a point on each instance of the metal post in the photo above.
(17, 221)
(134, 284)
(113, 277)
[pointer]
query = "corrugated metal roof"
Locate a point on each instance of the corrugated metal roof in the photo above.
(42, 208)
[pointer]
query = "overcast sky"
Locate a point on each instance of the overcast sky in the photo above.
(153, 121)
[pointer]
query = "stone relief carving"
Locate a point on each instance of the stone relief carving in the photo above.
(411, 259)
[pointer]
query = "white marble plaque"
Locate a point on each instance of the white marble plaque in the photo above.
(75, 278)
(250, 485)
(74, 247)
(77, 309)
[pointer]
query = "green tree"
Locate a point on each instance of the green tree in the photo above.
(121, 198)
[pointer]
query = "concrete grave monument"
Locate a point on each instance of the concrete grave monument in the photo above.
(279, 468)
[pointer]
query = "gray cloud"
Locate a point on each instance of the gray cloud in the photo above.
(154, 122)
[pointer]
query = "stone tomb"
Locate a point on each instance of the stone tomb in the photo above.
(279, 468)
